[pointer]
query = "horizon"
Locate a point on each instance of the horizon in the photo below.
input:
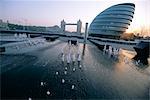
(49, 12)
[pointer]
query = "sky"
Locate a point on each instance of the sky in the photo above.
(51, 12)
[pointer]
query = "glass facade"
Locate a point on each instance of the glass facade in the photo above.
(113, 21)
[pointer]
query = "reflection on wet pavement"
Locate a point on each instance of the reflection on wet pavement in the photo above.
(69, 72)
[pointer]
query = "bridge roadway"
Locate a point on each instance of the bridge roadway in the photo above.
(42, 34)
(30, 32)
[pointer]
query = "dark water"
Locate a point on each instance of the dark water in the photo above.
(99, 77)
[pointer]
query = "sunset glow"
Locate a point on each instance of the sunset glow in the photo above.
(50, 12)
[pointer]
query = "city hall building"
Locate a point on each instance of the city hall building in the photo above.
(113, 21)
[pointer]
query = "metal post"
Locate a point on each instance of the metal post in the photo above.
(86, 32)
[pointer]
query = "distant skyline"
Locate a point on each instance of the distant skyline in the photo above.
(51, 12)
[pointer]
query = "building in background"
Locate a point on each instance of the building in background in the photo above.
(113, 21)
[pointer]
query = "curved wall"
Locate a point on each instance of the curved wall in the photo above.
(113, 21)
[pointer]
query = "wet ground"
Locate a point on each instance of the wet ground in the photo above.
(42, 75)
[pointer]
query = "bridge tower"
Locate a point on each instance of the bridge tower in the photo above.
(79, 25)
(63, 24)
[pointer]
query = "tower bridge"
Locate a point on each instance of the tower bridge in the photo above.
(78, 24)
